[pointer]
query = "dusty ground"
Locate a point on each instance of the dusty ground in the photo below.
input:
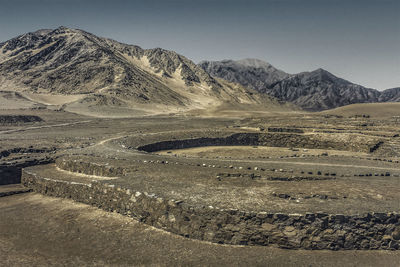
(240, 152)
(37, 230)
(72, 234)
(377, 110)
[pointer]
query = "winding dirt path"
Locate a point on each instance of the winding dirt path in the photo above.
(42, 127)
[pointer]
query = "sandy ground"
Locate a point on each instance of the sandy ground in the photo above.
(12, 100)
(378, 110)
(41, 231)
(50, 99)
(252, 151)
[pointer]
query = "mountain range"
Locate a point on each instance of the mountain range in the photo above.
(99, 72)
(84, 73)
(314, 91)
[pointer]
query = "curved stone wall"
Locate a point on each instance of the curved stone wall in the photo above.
(283, 130)
(258, 139)
(292, 231)
(89, 168)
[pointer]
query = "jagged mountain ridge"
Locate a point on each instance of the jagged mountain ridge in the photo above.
(71, 61)
(316, 90)
(321, 90)
(390, 95)
(252, 73)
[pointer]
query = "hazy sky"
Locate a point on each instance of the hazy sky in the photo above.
(356, 40)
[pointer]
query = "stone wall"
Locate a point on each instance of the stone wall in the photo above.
(10, 173)
(284, 130)
(90, 168)
(292, 231)
(15, 150)
(11, 119)
(257, 139)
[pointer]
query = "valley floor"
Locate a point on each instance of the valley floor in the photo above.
(37, 230)
(74, 234)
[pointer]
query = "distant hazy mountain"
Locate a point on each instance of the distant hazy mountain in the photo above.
(70, 62)
(316, 90)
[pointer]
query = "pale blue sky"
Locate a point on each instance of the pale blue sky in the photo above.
(356, 40)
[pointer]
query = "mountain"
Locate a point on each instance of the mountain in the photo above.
(252, 73)
(321, 90)
(316, 90)
(88, 72)
(390, 95)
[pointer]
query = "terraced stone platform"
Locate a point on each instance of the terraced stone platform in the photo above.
(315, 201)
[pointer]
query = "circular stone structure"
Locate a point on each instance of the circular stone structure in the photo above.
(299, 200)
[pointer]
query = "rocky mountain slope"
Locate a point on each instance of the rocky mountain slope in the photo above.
(102, 72)
(252, 73)
(390, 95)
(320, 90)
(316, 90)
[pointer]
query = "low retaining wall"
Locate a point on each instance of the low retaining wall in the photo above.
(9, 119)
(284, 130)
(8, 152)
(11, 173)
(90, 168)
(257, 139)
(307, 231)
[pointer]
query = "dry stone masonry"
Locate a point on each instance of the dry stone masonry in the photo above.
(307, 230)
(259, 139)
(292, 231)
